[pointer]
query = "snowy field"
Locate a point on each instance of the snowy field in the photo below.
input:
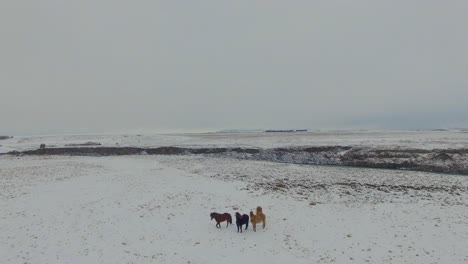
(405, 139)
(155, 209)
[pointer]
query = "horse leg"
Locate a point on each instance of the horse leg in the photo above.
(227, 223)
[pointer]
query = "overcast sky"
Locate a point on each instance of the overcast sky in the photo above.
(94, 66)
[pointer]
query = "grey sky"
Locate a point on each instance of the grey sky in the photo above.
(113, 66)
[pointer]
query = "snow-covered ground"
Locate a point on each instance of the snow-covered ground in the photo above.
(405, 139)
(155, 209)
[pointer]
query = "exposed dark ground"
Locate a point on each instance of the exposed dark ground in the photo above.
(429, 160)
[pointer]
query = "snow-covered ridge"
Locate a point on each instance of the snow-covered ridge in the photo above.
(434, 151)
(435, 160)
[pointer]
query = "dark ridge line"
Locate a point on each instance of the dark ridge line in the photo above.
(118, 151)
(367, 157)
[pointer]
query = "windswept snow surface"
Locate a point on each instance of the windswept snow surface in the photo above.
(402, 139)
(155, 209)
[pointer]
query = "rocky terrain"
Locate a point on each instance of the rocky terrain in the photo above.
(430, 160)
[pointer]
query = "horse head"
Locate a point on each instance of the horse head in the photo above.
(259, 210)
(238, 216)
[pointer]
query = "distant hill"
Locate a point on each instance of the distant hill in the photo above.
(239, 131)
(287, 130)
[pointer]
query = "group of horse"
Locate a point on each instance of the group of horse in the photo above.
(241, 220)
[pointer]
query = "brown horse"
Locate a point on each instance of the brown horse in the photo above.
(221, 218)
(255, 219)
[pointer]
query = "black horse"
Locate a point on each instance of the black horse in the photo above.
(241, 220)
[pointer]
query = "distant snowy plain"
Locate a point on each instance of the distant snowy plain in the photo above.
(407, 139)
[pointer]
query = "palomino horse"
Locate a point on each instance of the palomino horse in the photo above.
(221, 218)
(255, 219)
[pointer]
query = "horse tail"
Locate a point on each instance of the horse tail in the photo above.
(230, 219)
